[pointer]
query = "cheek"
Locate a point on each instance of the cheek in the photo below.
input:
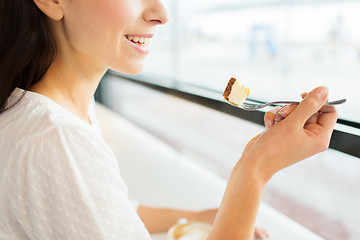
(99, 23)
(115, 15)
(96, 30)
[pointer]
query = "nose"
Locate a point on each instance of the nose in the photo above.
(155, 13)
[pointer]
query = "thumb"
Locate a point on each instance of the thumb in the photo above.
(309, 106)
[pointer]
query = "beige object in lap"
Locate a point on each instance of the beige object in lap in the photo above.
(188, 230)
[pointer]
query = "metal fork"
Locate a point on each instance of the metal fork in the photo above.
(253, 106)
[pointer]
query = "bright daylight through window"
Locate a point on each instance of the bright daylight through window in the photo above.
(277, 48)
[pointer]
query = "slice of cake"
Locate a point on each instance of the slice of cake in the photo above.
(235, 93)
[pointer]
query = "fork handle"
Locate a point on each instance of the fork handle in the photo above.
(335, 102)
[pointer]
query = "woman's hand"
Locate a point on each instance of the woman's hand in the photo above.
(278, 114)
(293, 133)
(271, 117)
(303, 133)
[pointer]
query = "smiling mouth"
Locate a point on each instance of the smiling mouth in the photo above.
(142, 41)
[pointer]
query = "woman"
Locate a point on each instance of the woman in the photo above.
(58, 179)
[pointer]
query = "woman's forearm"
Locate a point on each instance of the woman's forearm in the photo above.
(237, 214)
(235, 218)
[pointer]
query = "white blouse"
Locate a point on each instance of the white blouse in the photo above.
(58, 178)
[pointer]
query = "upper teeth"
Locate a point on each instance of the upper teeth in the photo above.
(138, 39)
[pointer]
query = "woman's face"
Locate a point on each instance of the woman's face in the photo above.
(111, 33)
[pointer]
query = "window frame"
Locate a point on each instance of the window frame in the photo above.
(345, 137)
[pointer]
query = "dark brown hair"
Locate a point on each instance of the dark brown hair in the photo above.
(27, 46)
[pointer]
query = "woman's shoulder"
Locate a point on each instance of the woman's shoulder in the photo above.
(36, 118)
(36, 133)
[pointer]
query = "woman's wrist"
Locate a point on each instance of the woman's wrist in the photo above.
(251, 168)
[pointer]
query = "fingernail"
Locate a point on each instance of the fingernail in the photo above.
(268, 123)
(321, 92)
(284, 110)
(278, 118)
(275, 110)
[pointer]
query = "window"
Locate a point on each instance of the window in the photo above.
(321, 193)
(277, 48)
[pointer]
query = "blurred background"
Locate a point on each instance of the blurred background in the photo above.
(277, 48)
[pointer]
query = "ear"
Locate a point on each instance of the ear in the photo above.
(52, 8)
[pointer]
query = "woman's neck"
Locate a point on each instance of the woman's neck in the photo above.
(70, 85)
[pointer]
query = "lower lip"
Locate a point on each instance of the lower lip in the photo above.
(141, 48)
